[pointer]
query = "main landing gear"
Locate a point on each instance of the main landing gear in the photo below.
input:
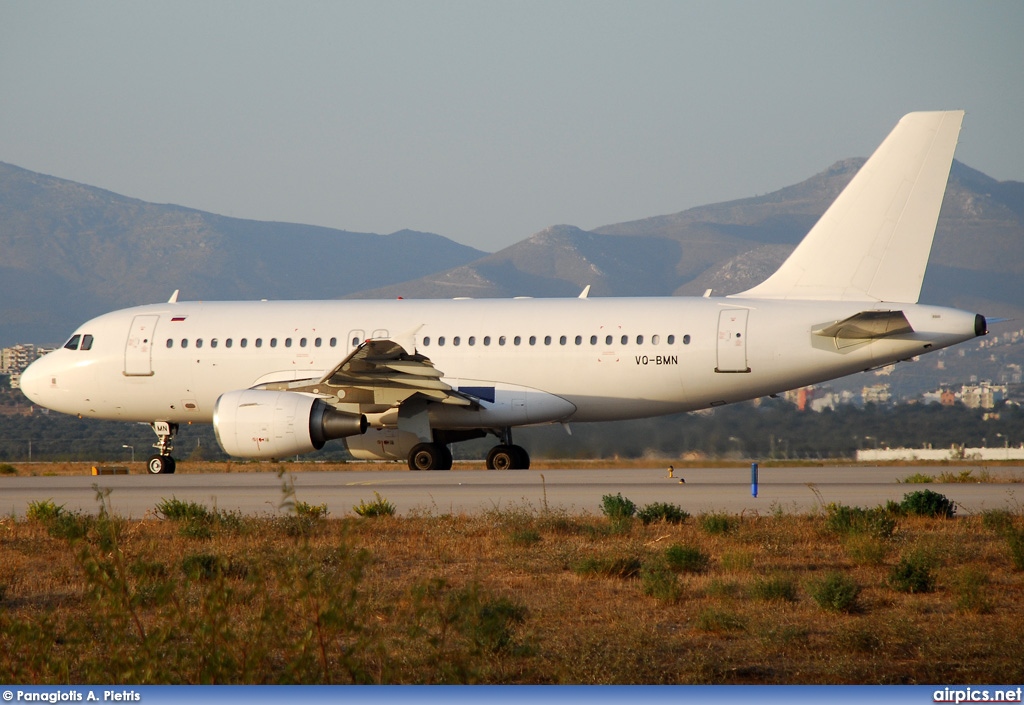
(163, 463)
(430, 456)
(506, 455)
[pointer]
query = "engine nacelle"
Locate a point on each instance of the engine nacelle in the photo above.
(256, 423)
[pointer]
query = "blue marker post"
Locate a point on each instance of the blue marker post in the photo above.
(753, 480)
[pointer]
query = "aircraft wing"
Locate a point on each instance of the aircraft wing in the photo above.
(378, 373)
(385, 370)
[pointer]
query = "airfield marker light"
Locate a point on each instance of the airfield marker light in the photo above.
(753, 480)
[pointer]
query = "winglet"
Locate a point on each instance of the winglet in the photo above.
(585, 293)
(873, 242)
(174, 297)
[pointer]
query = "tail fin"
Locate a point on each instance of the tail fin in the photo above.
(873, 242)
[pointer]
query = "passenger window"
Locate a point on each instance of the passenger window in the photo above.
(87, 342)
(170, 343)
(440, 340)
(655, 339)
(625, 340)
(259, 342)
(472, 340)
(547, 340)
(244, 342)
(593, 340)
(533, 340)
(287, 342)
(561, 341)
(199, 342)
(213, 342)
(334, 342)
(318, 342)
(302, 342)
(228, 343)
(487, 340)
(639, 340)
(355, 341)
(607, 340)
(517, 340)
(73, 343)
(426, 341)
(579, 340)
(184, 342)
(501, 340)
(686, 339)
(456, 340)
(273, 342)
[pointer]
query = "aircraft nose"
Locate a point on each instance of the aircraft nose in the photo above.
(34, 381)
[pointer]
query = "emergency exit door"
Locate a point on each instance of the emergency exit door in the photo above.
(732, 340)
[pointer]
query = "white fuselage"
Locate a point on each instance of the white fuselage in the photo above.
(542, 360)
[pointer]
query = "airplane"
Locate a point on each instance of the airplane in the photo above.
(403, 379)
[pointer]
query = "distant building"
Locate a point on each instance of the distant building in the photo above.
(982, 396)
(15, 359)
(876, 394)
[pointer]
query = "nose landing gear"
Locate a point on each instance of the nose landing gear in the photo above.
(163, 463)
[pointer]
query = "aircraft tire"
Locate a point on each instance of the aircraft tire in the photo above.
(160, 465)
(522, 458)
(501, 457)
(430, 456)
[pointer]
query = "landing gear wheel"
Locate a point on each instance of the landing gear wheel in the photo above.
(430, 456)
(160, 465)
(522, 458)
(508, 457)
(501, 457)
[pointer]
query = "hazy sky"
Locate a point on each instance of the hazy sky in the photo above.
(488, 121)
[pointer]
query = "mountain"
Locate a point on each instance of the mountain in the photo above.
(976, 264)
(69, 252)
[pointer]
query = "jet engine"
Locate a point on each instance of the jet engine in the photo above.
(257, 423)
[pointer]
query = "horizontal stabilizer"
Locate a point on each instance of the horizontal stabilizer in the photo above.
(868, 325)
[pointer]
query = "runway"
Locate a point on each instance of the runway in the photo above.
(576, 491)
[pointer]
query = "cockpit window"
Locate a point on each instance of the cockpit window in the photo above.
(73, 343)
(86, 342)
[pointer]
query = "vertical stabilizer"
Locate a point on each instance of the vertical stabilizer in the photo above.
(873, 242)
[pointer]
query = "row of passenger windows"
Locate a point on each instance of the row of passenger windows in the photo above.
(562, 340)
(258, 342)
(440, 341)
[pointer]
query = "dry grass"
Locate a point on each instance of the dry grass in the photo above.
(504, 597)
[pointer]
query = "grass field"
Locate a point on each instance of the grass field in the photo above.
(521, 595)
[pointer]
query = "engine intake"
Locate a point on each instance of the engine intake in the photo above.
(257, 423)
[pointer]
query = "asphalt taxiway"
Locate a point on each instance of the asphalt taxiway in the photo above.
(575, 491)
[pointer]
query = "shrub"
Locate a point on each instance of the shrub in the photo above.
(660, 583)
(201, 566)
(714, 620)
(176, 510)
(917, 479)
(617, 508)
(43, 511)
(780, 587)
(525, 537)
(970, 585)
(841, 519)
(305, 509)
(686, 559)
(662, 511)
(718, 523)
(927, 503)
(835, 592)
(8, 469)
(1015, 542)
(997, 520)
(626, 567)
(912, 574)
(379, 507)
